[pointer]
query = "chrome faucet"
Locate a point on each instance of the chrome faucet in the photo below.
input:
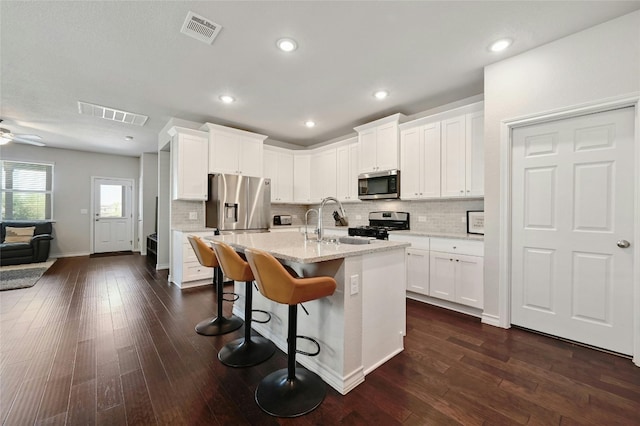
(320, 224)
(306, 215)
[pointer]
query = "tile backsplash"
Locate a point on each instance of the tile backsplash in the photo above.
(426, 216)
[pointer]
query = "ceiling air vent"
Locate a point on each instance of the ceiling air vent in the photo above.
(112, 114)
(200, 28)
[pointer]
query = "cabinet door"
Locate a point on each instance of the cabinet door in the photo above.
(453, 157)
(387, 147)
(301, 174)
(442, 276)
(469, 280)
(418, 271)
(190, 167)
(224, 152)
(410, 161)
(367, 142)
(285, 176)
(271, 172)
(250, 157)
(327, 174)
(354, 164)
(475, 155)
(430, 159)
(342, 173)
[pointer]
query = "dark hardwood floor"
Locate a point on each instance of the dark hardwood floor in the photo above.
(109, 341)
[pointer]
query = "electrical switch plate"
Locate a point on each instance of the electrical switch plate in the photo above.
(193, 215)
(355, 284)
(84, 211)
(422, 218)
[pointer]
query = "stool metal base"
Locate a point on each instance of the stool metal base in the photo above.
(280, 396)
(216, 326)
(246, 353)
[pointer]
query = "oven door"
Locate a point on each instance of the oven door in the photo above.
(379, 185)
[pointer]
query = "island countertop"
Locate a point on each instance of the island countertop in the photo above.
(291, 246)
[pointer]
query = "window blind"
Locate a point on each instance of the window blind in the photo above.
(26, 191)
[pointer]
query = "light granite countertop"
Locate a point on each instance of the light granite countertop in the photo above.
(291, 246)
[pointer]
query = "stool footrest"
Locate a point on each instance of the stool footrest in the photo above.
(235, 297)
(314, 341)
(262, 312)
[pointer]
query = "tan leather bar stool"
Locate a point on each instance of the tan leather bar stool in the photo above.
(248, 350)
(217, 325)
(289, 392)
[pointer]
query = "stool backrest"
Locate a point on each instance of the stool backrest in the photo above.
(205, 254)
(277, 284)
(233, 266)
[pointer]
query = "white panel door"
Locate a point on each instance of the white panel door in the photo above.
(250, 160)
(410, 164)
(224, 152)
(442, 276)
(430, 187)
(113, 217)
(572, 192)
(387, 146)
(453, 153)
(418, 271)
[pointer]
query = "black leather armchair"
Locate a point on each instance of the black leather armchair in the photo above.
(36, 250)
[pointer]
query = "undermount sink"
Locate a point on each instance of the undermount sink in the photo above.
(354, 240)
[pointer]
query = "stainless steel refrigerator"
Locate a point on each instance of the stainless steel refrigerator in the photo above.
(238, 203)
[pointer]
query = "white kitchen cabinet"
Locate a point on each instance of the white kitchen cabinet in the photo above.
(420, 162)
(463, 156)
(418, 270)
(186, 270)
(474, 177)
(278, 166)
(347, 164)
(323, 174)
(234, 151)
(379, 147)
(456, 271)
(301, 178)
(189, 154)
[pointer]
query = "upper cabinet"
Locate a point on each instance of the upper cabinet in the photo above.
(379, 145)
(189, 154)
(278, 166)
(234, 151)
(347, 169)
(443, 157)
(302, 177)
(323, 174)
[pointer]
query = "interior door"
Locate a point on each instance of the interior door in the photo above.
(113, 215)
(572, 226)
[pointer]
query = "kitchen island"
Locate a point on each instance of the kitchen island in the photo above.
(360, 326)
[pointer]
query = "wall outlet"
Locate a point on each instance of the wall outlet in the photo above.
(355, 284)
(193, 215)
(422, 218)
(84, 211)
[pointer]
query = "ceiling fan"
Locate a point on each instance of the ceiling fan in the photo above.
(6, 136)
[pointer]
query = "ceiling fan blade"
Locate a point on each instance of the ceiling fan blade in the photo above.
(27, 141)
(32, 137)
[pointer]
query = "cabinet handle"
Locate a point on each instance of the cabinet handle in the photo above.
(450, 260)
(457, 260)
(461, 191)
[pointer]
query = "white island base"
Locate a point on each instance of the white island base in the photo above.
(359, 327)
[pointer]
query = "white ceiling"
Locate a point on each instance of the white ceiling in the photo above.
(131, 56)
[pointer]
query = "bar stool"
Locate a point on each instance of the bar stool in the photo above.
(217, 325)
(289, 392)
(248, 350)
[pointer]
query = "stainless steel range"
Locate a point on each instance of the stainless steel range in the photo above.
(380, 223)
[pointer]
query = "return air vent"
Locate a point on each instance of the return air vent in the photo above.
(200, 28)
(112, 114)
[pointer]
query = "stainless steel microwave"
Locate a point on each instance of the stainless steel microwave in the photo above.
(379, 185)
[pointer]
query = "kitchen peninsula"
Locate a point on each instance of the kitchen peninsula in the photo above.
(360, 326)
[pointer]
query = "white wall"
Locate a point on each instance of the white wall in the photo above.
(72, 174)
(597, 63)
(148, 194)
(164, 209)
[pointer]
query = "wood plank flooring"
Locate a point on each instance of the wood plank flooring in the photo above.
(108, 341)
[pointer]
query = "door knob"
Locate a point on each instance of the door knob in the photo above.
(623, 243)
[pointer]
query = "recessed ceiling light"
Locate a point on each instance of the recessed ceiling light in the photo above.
(310, 123)
(500, 45)
(227, 99)
(381, 94)
(129, 138)
(287, 44)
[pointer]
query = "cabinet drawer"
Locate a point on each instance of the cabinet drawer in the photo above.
(446, 245)
(194, 271)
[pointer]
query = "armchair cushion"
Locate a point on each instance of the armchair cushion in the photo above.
(19, 235)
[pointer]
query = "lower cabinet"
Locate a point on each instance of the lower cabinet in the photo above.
(418, 271)
(457, 278)
(186, 270)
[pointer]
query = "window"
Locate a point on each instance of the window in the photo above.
(26, 192)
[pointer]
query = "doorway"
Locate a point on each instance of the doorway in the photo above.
(572, 228)
(112, 214)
